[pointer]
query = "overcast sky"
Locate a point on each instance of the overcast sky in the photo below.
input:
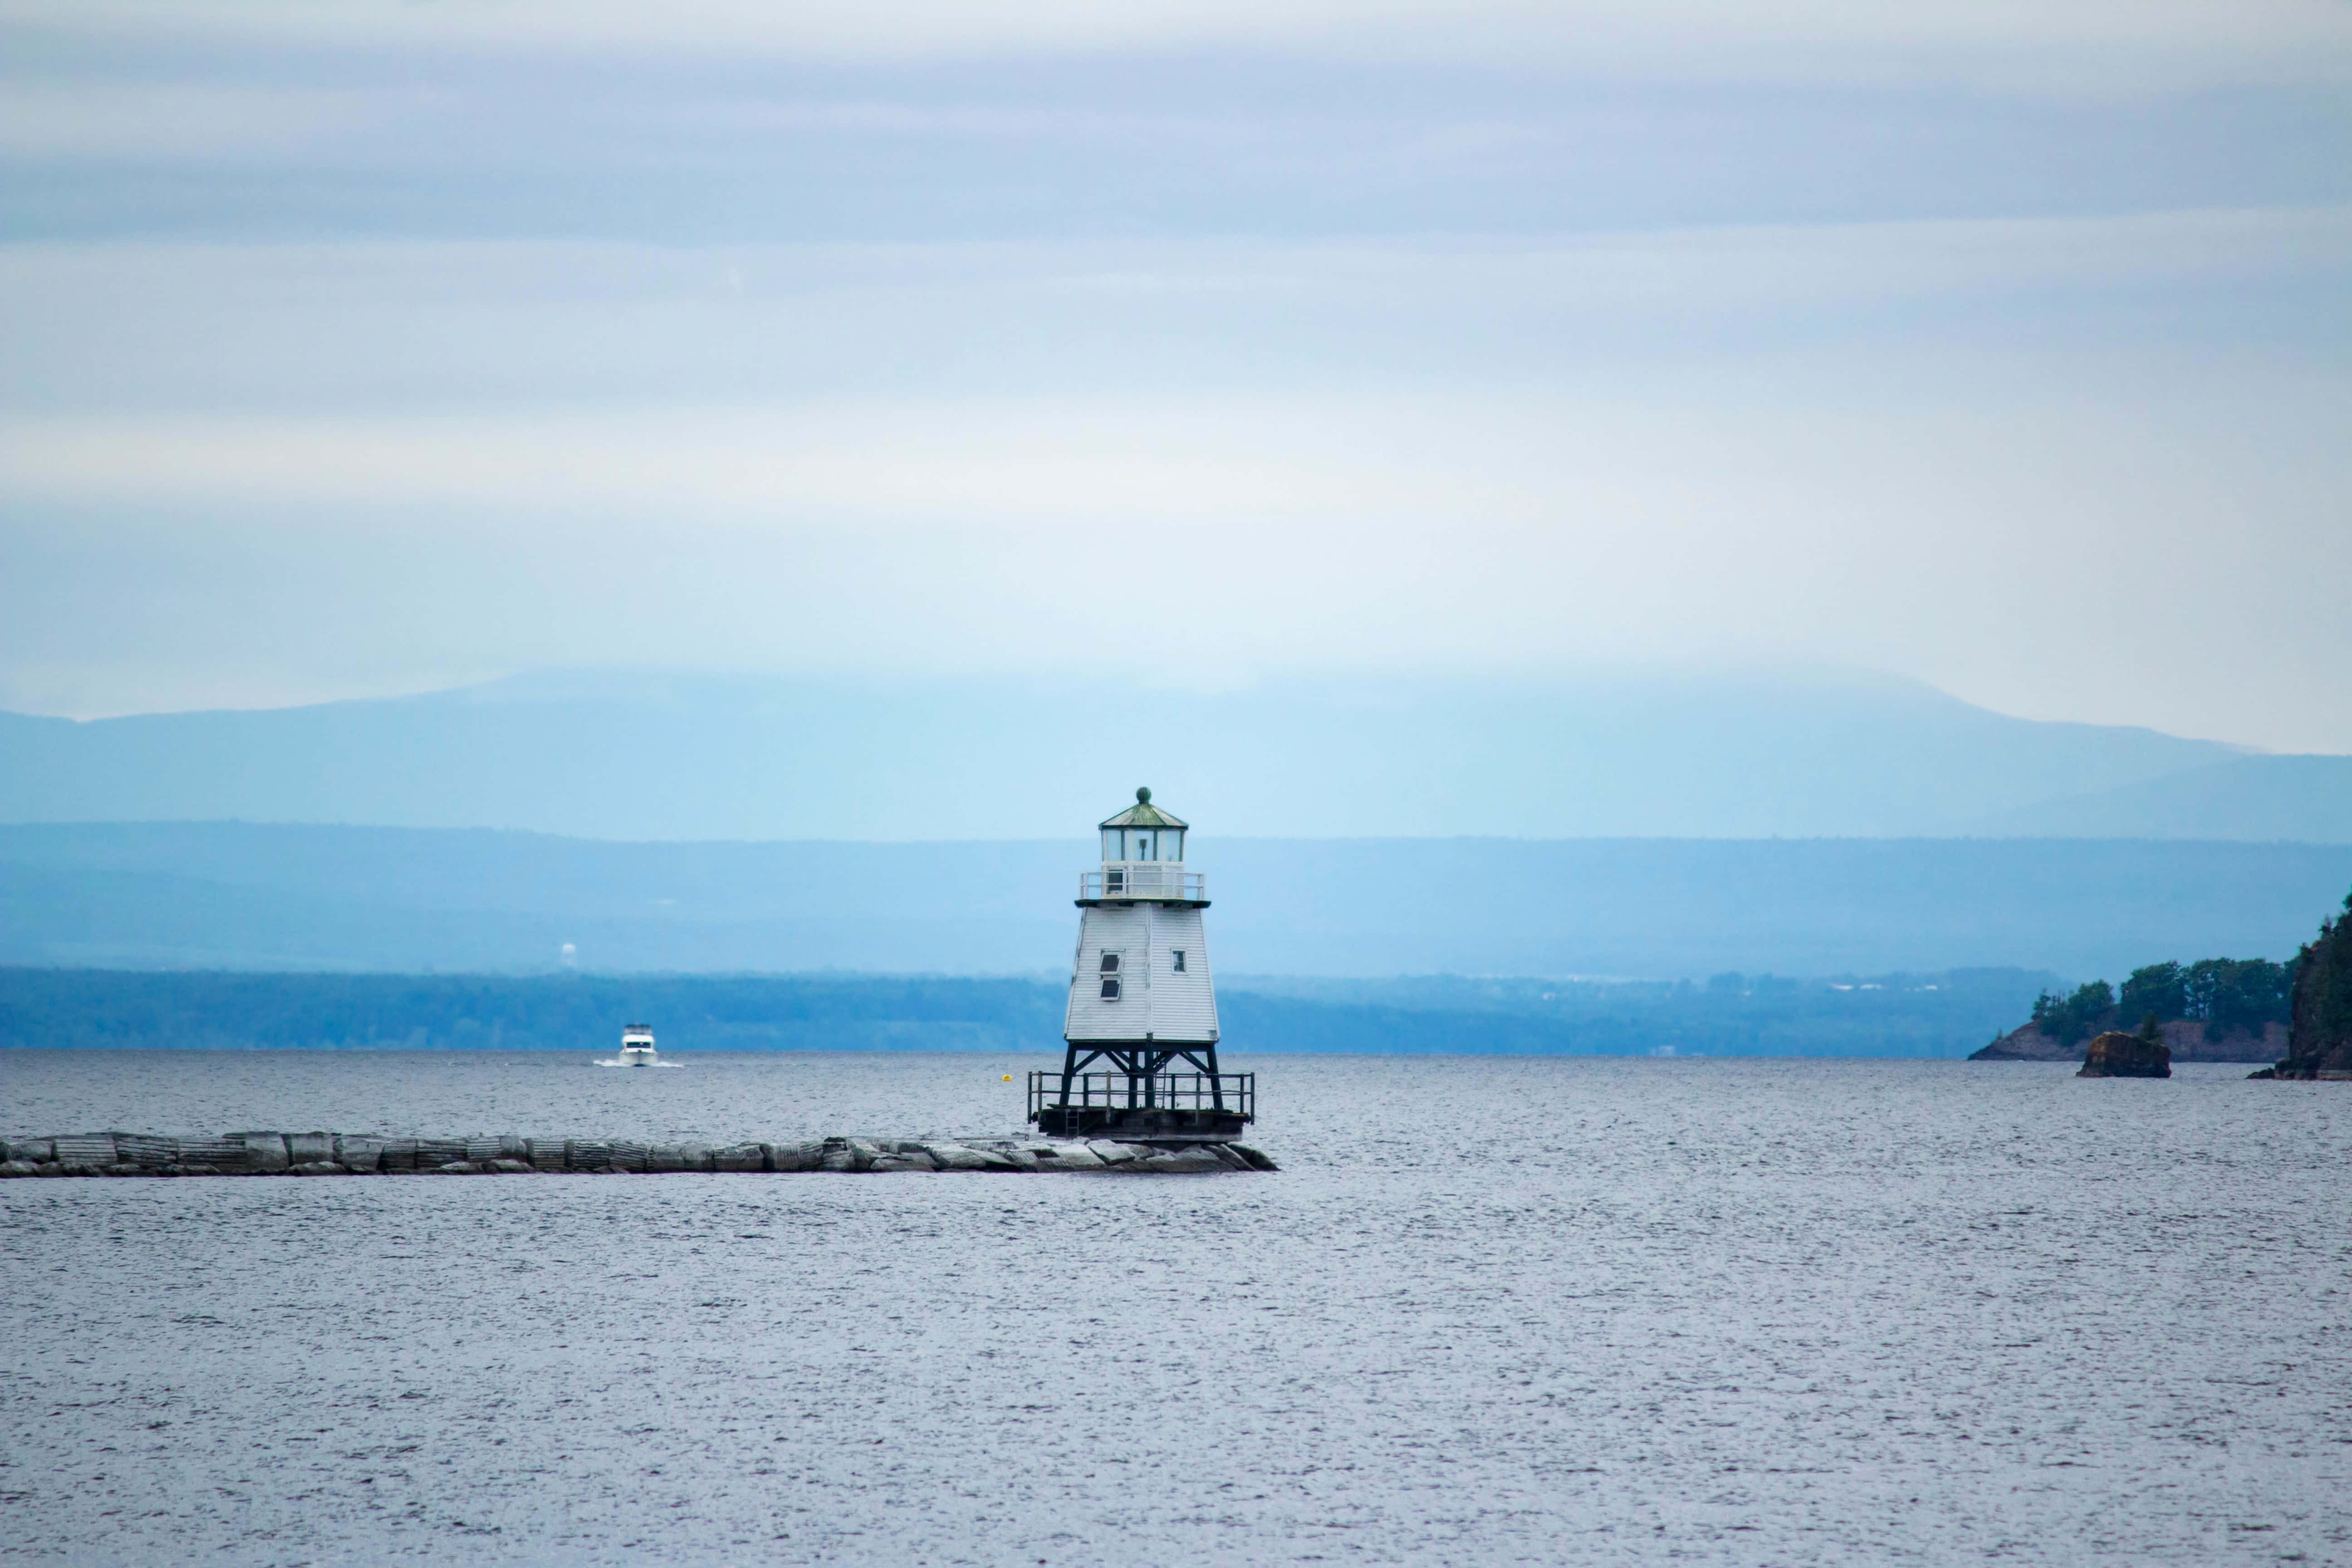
(366, 348)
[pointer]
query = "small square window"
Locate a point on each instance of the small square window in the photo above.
(1111, 963)
(1110, 988)
(1177, 954)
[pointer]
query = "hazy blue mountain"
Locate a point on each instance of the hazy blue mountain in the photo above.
(2304, 798)
(703, 757)
(245, 896)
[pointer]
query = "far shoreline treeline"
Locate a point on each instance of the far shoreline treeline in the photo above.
(1936, 1015)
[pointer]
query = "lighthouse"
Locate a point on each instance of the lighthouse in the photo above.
(1141, 1026)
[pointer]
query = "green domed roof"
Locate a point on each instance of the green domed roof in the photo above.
(1143, 814)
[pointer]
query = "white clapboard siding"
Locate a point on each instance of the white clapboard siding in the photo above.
(1155, 1002)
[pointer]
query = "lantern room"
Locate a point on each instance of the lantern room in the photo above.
(1142, 833)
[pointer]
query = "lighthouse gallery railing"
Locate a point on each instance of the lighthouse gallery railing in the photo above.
(1162, 1091)
(1144, 882)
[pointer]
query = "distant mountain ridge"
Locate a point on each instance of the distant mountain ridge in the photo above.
(252, 896)
(702, 757)
(2279, 799)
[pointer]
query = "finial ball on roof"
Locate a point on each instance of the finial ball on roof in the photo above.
(1143, 797)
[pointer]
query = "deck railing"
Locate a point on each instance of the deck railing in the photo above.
(1235, 1091)
(1144, 881)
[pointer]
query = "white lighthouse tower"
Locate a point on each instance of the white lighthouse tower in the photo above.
(1141, 1002)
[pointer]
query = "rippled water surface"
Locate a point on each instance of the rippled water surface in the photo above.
(1492, 1311)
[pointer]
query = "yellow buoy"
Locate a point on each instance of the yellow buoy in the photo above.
(1008, 1077)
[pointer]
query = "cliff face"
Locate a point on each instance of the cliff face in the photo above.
(2319, 1042)
(2186, 1038)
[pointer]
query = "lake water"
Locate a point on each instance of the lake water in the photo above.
(1492, 1311)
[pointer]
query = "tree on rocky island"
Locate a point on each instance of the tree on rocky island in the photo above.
(2237, 994)
(2216, 1009)
(2159, 988)
(2226, 994)
(2076, 1018)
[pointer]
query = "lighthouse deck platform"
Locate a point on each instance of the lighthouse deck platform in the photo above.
(1209, 1107)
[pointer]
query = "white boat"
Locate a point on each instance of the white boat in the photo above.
(638, 1045)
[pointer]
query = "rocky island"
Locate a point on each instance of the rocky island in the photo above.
(2296, 1016)
(2215, 1010)
(2117, 1055)
(2185, 1040)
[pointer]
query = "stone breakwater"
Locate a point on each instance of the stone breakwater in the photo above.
(360, 1154)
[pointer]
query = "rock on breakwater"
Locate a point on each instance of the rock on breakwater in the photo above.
(367, 1154)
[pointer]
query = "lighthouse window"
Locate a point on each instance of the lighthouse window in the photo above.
(1110, 988)
(1111, 963)
(1177, 954)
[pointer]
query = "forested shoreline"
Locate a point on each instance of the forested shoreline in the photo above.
(1895, 1015)
(2226, 996)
